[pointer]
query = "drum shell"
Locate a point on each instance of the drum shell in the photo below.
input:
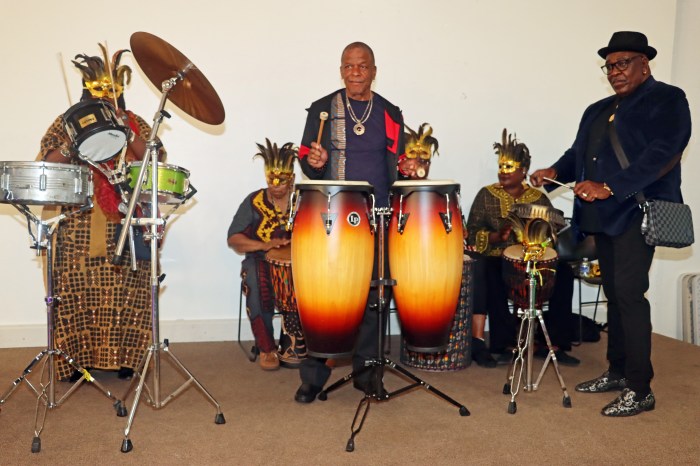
(292, 344)
(173, 182)
(517, 280)
(426, 262)
(45, 183)
(457, 355)
(332, 272)
(95, 130)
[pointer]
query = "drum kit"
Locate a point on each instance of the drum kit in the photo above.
(335, 226)
(98, 137)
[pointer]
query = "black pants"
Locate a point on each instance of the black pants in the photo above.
(314, 370)
(625, 261)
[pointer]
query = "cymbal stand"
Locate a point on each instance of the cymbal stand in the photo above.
(152, 357)
(523, 355)
(377, 392)
(46, 390)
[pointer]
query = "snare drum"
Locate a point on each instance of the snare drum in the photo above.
(95, 130)
(457, 355)
(45, 183)
(425, 258)
(517, 280)
(332, 253)
(173, 182)
(292, 346)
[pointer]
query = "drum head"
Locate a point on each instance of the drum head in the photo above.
(102, 145)
(281, 255)
(438, 186)
(516, 252)
(332, 187)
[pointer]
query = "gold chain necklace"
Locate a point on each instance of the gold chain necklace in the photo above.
(359, 127)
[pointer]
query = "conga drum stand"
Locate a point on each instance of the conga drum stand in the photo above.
(158, 58)
(380, 363)
(523, 355)
(46, 390)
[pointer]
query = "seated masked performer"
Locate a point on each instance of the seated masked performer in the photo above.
(260, 224)
(103, 311)
(489, 235)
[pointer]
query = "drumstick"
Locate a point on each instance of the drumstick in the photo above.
(323, 116)
(111, 77)
(556, 182)
(65, 81)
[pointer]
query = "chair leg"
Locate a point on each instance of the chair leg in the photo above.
(597, 300)
(580, 315)
(252, 355)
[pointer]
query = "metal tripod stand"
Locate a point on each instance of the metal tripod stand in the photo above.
(152, 357)
(378, 365)
(46, 390)
(523, 355)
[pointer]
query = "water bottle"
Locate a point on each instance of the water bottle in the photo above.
(585, 267)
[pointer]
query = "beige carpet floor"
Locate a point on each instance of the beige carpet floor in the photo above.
(265, 426)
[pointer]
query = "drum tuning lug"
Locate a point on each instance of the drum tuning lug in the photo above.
(329, 221)
(401, 222)
(446, 221)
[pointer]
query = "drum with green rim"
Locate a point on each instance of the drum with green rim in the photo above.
(173, 182)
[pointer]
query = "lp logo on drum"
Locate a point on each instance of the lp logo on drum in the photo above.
(354, 219)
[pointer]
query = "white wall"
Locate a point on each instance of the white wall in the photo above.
(468, 67)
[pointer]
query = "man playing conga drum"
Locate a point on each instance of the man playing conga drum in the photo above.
(362, 141)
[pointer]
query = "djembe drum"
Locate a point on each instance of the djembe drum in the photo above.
(292, 347)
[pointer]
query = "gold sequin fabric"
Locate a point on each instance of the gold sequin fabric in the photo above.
(489, 209)
(102, 314)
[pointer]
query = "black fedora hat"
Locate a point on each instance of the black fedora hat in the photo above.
(628, 41)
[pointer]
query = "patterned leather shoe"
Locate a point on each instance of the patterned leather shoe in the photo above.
(602, 384)
(627, 404)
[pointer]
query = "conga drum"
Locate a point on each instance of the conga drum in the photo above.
(425, 259)
(292, 347)
(458, 354)
(332, 257)
(517, 279)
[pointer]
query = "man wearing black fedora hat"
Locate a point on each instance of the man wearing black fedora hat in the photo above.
(651, 120)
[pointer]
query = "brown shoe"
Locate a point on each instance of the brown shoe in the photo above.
(269, 361)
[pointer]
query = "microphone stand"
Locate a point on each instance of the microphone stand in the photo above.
(152, 356)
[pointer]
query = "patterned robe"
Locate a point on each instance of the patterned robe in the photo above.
(103, 312)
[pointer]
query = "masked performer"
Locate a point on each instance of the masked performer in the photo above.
(103, 312)
(420, 147)
(259, 226)
(489, 235)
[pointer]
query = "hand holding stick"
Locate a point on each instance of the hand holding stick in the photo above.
(556, 182)
(323, 116)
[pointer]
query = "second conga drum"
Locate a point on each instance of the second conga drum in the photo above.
(332, 257)
(425, 258)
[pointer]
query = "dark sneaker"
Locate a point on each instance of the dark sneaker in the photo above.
(601, 384)
(628, 404)
(481, 355)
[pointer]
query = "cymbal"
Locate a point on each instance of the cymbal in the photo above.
(193, 93)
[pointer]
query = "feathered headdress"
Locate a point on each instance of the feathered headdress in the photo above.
(535, 234)
(279, 162)
(511, 153)
(421, 145)
(96, 73)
